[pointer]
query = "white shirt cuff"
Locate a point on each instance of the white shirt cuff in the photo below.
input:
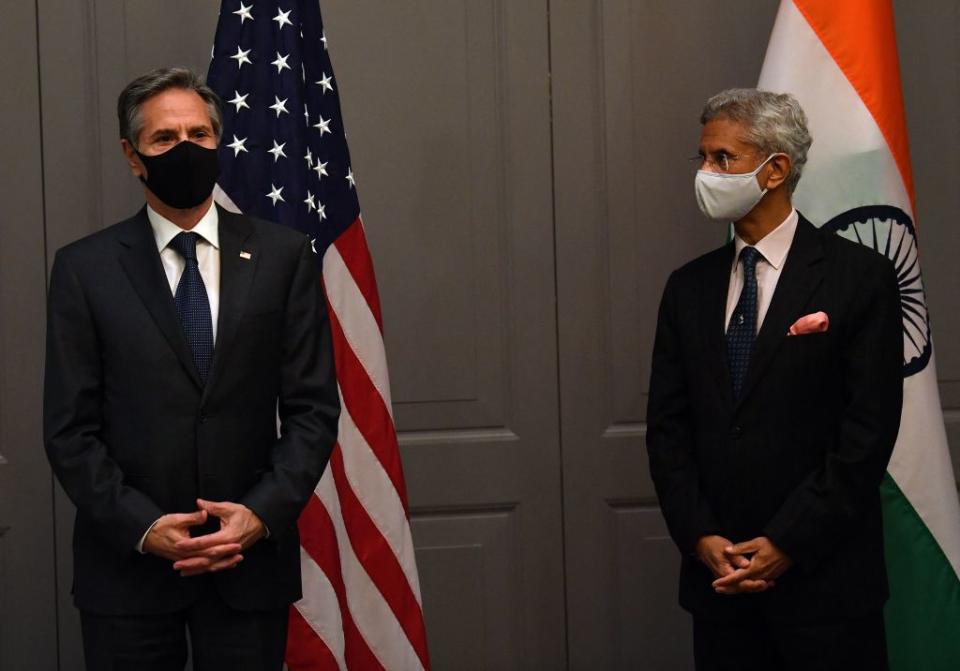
(144, 537)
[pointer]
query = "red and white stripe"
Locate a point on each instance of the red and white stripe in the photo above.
(361, 606)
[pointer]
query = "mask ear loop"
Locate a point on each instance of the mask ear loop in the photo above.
(760, 167)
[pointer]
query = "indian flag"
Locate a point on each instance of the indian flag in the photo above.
(839, 58)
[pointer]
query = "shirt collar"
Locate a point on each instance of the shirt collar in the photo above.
(774, 245)
(165, 230)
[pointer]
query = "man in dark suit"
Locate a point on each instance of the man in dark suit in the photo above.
(175, 340)
(774, 405)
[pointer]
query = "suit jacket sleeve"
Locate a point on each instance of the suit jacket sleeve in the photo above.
(670, 439)
(308, 406)
(72, 420)
(824, 508)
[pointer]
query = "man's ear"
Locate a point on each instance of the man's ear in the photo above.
(136, 165)
(777, 170)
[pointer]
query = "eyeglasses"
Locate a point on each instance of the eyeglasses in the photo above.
(721, 160)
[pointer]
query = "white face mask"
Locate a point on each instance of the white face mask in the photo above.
(725, 197)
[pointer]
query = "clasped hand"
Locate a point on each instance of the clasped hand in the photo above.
(170, 537)
(749, 567)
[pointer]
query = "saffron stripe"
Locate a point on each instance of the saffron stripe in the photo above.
(861, 37)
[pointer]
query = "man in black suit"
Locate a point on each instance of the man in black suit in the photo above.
(175, 339)
(774, 405)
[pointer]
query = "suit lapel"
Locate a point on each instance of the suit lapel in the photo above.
(801, 275)
(714, 308)
(236, 276)
(141, 261)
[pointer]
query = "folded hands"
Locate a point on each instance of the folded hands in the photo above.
(170, 537)
(741, 568)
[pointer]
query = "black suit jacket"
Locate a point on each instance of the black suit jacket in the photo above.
(132, 433)
(801, 456)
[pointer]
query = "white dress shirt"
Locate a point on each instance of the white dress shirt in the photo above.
(773, 248)
(208, 255)
(208, 258)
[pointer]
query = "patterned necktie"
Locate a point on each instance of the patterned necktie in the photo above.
(193, 306)
(742, 330)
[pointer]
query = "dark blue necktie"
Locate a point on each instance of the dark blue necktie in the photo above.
(193, 306)
(742, 330)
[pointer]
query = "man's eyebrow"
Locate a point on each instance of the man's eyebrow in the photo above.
(172, 131)
(162, 131)
(723, 149)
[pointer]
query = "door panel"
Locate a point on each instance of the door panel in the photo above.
(27, 585)
(626, 111)
(929, 51)
(449, 135)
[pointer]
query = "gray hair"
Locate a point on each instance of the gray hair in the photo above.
(773, 122)
(157, 81)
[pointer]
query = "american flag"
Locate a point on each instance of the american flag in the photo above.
(284, 158)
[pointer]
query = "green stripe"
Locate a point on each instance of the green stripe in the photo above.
(923, 614)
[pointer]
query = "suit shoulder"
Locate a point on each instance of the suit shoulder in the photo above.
(273, 234)
(689, 279)
(694, 269)
(94, 245)
(282, 234)
(853, 255)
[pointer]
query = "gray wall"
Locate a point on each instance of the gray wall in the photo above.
(929, 46)
(27, 577)
(527, 160)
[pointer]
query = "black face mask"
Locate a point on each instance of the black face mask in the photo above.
(182, 177)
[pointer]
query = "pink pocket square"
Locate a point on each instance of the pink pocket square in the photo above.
(818, 322)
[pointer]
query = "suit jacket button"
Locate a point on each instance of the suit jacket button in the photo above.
(736, 432)
(204, 418)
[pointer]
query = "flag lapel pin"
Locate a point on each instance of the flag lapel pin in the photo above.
(245, 256)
